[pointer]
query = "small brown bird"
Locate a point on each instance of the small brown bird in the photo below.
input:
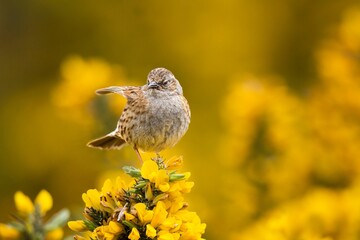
(155, 117)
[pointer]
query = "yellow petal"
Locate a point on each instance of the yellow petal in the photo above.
(107, 187)
(176, 205)
(149, 170)
(134, 235)
(160, 214)
(121, 184)
(170, 223)
(164, 235)
(92, 198)
(187, 175)
(140, 210)
(148, 192)
(174, 163)
(150, 231)
(56, 234)
(162, 181)
(186, 186)
(143, 214)
(164, 187)
(23, 204)
(7, 232)
(45, 201)
(128, 216)
(100, 232)
(148, 216)
(175, 187)
(187, 216)
(77, 226)
(115, 228)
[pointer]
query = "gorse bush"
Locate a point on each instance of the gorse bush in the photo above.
(150, 206)
(295, 156)
(29, 221)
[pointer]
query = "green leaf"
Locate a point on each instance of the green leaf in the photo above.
(140, 184)
(90, 225)
(129, 224)
(20, 226)
(176, 177)
(132, 171)
(57, 220)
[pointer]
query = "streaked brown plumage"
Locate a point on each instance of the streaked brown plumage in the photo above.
(155, 117)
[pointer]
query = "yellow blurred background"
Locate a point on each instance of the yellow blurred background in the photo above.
(274, 89)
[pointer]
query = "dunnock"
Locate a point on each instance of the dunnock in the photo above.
(155, 117)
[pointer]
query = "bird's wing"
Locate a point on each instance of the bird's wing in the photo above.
(130, 93)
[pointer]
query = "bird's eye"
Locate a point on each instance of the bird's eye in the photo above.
(166, 82)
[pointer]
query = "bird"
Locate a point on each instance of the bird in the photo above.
(156, 115)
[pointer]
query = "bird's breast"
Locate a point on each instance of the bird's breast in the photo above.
(162, 125)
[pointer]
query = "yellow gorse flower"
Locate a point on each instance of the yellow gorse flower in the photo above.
(8, 232)
(31, 224)
(151, 172)
(78, 226)
(150, 231)
(23, 204)
(134, 235)
(44, 201)
(80, 77)
(295, 157)
(150, 207)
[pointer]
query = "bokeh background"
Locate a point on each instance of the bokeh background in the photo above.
(274, 88)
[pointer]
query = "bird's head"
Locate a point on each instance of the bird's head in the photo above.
(162, 79)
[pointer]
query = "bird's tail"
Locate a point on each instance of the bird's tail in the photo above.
(110, 141)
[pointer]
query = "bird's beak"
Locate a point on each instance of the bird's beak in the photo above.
(153, 85)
